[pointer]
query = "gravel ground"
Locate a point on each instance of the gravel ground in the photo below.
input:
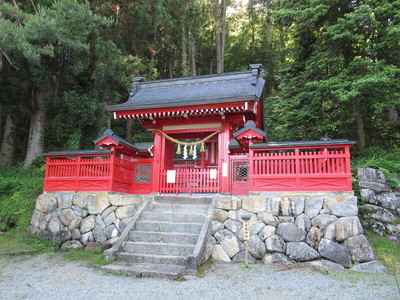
(49, 276)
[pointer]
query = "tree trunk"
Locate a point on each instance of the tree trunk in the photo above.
(8, 143)
(185, 66)
(129, 127)
(192, 54)
(393, 114)
(220, 21)
(360, 131)
(36, 129)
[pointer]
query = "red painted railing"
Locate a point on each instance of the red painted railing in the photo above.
(88, 172)
(317, 168)
(190, 181)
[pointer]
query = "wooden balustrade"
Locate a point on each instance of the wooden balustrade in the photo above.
(324, 168)
(190, 181)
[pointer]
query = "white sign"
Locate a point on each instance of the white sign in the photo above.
(213, 174)
(225, 169)
(171, 175)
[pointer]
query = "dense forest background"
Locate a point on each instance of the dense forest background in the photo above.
(332, 66)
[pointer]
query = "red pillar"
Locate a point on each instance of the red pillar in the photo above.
(158, 160)
(223, 158)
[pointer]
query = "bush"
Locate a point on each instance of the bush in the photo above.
(19, 189)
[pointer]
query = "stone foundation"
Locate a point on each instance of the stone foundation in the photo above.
(77, 219)
(294, 227)
(381, 206)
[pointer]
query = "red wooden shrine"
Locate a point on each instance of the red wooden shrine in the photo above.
(208, 137)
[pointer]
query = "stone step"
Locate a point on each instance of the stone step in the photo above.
(183, 199)
(169, 216)
(152, 258)
(146, 270)
(158, 248)
(177, 207)
(163, 237)
(183, 227)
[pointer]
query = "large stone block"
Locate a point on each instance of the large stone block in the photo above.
(325, 264)
(313, 237)
(108, 211)
(110, 219)
(268, 218)
(289, 232)
(227, 202)
(81, 199)
(323, 220)
(343, 206)
(277, 258)
(312, 206)
(274, 243)
(98, 234)
(371, 175)
(266, 232)
(370, 267)
(359, 248)
(384, 200)
(283, 206)
(75, 223)
(79, 212)
(229, 242)
(87, 238)
(54, 226)
(303, 222)
(256, 247)
(379, 214)
(66, 216)
(233, 225)
(256, 227)
(254, 204)
(335, 252)
(219, 255)
(124, 212)
(343, 228)
(88, 224)
(216, 226)
(111, 231)
(121, 199)
(99, 203)
(65, 200)
(220, 215)
(300, 251)
(240, 257)
(38, 219)
(46, 202)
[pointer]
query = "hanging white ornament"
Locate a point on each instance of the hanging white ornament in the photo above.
(194, 152)
(185, 152)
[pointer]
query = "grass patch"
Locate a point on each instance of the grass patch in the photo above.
(17, 239)
(90, 257)
(201, 270)
(386, 251)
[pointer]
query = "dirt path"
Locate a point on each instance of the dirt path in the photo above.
(49, 276)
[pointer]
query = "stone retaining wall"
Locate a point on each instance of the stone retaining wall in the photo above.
(296, 227)
(381, 206)
(80, 218)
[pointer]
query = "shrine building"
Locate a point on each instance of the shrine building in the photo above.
(208, 137)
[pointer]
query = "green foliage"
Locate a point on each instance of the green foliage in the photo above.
(386, 161)
(19, 189)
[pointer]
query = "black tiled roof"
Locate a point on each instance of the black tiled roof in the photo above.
(302, 143)
(77, 152)
(189, 91)
(252, 126)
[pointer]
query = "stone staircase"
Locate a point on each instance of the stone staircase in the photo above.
(167, 239)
